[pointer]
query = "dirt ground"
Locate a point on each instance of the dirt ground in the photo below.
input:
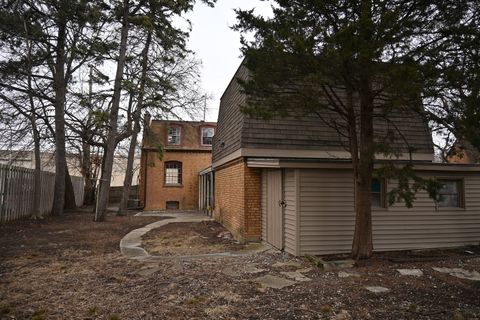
(71, 268)
(189, 238)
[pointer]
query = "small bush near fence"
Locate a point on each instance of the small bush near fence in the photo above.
(16, 192)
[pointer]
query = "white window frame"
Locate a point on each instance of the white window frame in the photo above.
(170, 135)
(202, 136)
(173, 173)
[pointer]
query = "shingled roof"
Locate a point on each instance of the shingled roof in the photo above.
(236, 130)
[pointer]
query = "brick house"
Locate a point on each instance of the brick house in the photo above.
(289, 182)
(173, 154)
(463, 152)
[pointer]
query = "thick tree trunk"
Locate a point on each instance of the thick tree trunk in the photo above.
(89, 188)
(127, 183)
(122, 210)
(362, 246)
(37, 178)
(60, 94)
(87, 173)
(104, 188)
(70, 202)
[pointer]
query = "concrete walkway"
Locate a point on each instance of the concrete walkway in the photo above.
(131, 244)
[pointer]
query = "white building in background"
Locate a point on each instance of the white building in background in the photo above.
(26, 159)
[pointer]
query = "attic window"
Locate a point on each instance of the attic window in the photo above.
(207, 135)
(174, 136)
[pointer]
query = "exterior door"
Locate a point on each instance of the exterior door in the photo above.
(275, 208)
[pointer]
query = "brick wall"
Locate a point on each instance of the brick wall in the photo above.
(253, 205)
(237, 200)
(157, 194)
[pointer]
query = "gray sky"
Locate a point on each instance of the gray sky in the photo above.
(217, 46)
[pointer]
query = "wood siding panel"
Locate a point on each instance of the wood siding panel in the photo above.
(290, 218)
(326, 196)
(227, 138)
(327, 217)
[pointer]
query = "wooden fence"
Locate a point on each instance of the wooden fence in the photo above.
(16, 192)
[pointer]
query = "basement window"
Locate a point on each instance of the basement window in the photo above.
(450, 194)
(172, 205)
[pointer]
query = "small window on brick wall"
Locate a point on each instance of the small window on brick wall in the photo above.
(174, 136)
(207, 135)
(172, 205)
(173, 173)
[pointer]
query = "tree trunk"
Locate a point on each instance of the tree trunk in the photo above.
(70, 202)
(362, 246)
(37, 178)
(60, 94)
(127, 183)
(111, 142)
(89, 188)
(87, 173)
(122, 210)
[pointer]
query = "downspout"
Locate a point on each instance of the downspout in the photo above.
(145, 180)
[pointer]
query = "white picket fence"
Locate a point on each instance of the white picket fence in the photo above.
(16, 192)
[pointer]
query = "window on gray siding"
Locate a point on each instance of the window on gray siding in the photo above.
(450, 194)
(378, 193)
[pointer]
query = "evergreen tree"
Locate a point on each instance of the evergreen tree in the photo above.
(349, 63)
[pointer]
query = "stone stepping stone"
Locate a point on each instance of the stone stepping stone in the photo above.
(231, 272)
(294, 264)
(274, 282)
(250, 269)
(343, 274)
(297, 276)
(378, 289)
(148, 271)
(342, 315)
(410, 272)
(305, 270)
(459, 273)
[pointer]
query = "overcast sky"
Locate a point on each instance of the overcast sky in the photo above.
(217, 46)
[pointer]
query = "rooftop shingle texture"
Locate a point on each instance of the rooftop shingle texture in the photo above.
(237, 130)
